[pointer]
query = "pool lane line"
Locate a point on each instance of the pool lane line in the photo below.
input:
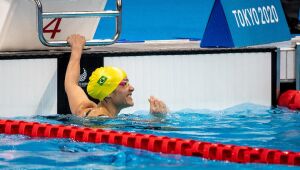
(161, 144)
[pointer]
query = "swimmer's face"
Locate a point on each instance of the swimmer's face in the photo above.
(122, 96)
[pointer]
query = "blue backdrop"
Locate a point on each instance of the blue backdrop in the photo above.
(158, 19)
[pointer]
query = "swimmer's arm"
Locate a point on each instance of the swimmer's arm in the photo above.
(78, 100)
(157, 107)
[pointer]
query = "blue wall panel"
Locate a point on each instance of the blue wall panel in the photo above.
(158, 19)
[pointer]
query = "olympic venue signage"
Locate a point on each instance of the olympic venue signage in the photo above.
(239, 23)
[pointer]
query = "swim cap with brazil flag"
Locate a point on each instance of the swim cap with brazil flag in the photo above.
(104, 81)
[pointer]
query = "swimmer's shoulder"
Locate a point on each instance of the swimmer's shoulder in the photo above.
(90, 109)
(95, 112)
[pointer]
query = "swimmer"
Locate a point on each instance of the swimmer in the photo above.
(110, 85)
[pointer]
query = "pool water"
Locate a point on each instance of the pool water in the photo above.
(246, 124)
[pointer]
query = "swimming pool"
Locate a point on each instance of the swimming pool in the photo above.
(246, 124)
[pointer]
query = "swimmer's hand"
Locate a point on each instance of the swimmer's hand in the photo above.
(157, 107)
(76, 41)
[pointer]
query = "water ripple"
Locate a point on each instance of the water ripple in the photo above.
(246, 124)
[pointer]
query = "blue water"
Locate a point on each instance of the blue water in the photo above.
(246, 124)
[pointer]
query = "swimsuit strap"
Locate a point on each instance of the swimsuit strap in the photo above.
(87, 113)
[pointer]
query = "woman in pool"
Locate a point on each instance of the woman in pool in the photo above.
(109, 85)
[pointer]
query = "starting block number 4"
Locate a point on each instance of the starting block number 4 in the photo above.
(56, 22)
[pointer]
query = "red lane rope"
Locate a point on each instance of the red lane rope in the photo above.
(163, 144)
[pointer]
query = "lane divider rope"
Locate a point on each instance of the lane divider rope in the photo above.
(162, 144)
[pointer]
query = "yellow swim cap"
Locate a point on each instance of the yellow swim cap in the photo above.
(104, 81)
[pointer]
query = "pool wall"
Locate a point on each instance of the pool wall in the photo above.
(183, 77)
(204, 79)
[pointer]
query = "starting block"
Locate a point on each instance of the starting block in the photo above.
(20, 21)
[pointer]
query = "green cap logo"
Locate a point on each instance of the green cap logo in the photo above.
(102, 80)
